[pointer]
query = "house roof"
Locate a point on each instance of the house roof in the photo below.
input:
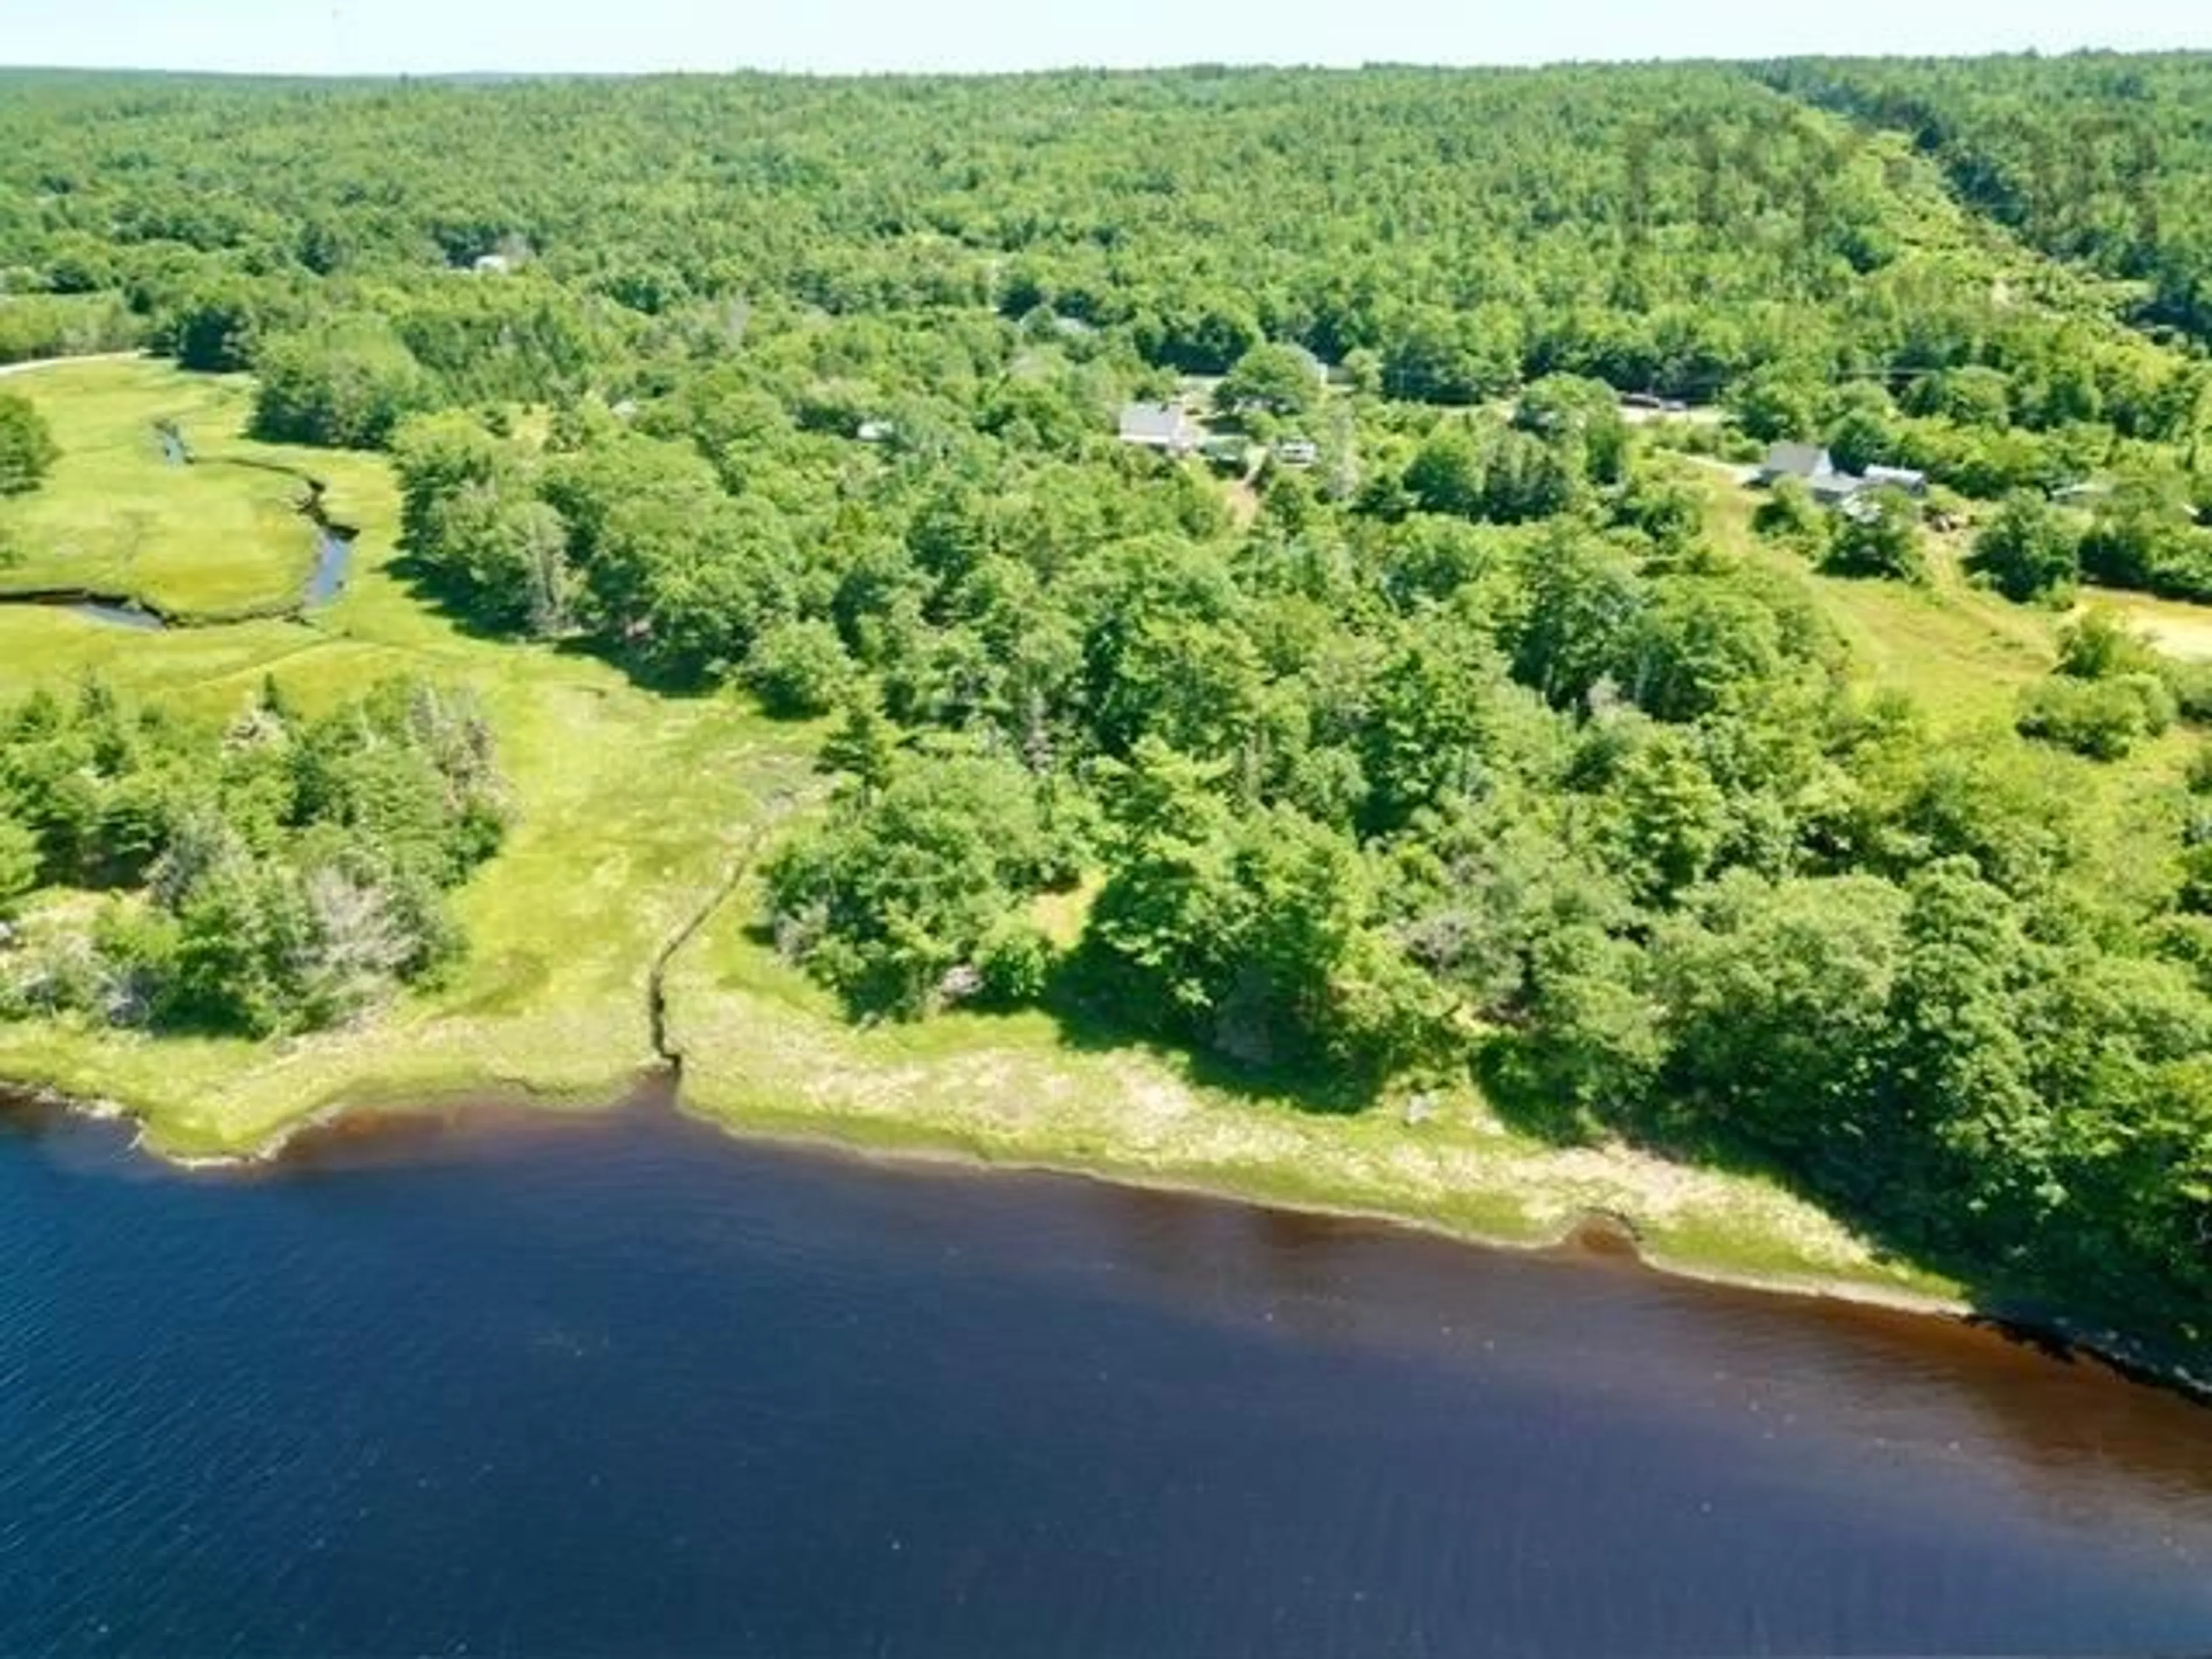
(1154, 423)
(1797, 461)
(1911, 476)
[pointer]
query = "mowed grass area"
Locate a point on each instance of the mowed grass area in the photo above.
(1964, 654)
(631, 806)
(2176, 627)
(116, 516)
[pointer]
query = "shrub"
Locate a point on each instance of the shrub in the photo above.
(2102, 719)
(799, 669)
(2099, 645)
(2190, 685)
(1014, 960)
(26, 448)
(2027, 550)
(1878, 535)
(1789, 515)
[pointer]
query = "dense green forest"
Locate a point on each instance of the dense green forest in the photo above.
(1421, 728)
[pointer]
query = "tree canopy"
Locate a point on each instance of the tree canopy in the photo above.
(26, 448)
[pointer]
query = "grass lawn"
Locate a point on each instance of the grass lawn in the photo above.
(1963, 653)
(214, 538)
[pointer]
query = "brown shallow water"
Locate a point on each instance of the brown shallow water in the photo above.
(623, 1385)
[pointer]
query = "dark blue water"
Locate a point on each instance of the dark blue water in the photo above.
(632, 1388)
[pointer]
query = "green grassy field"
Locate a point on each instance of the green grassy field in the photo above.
(1964, 653)
(211, 540)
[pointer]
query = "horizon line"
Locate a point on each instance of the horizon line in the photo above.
(1194, 66)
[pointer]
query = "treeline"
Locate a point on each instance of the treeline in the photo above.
(375, 252)
(281, 874)
(36, 325)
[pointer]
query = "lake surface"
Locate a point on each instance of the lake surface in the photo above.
(627, 1386)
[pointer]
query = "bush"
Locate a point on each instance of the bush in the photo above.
(798, 669)
(2027, 550)
(26, 448)
(2099, 645)
(1013, 961)
(2189, 684)
(1878, 535)
(2102, 719)
(1789, 515)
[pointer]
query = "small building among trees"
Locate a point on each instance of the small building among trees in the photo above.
(1166, 428)
(1812, 465)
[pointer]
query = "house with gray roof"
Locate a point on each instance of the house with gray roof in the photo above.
(1166, 428)
(1804, 462)
(1811, 465)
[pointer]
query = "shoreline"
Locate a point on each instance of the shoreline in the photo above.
(1593, 1234)
(1624, 1239)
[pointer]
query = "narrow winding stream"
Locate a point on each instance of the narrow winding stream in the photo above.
(326, 578)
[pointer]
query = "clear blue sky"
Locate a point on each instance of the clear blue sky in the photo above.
(421, 36)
